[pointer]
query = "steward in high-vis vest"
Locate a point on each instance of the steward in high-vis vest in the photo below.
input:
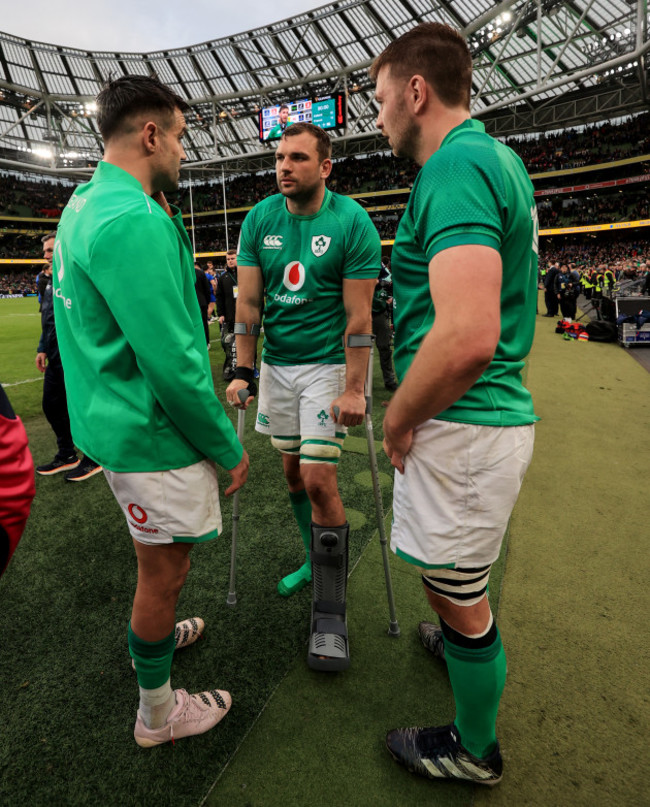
(585, 280)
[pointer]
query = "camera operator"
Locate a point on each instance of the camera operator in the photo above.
(567, 289)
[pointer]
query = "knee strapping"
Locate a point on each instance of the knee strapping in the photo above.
(460, 586)
(286, 445)
(317, 449)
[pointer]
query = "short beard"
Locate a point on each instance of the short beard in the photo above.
(299, 196)
(409, 142)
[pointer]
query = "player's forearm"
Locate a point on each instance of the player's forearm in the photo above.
(356, 367)
(356, 358)
(248, 313)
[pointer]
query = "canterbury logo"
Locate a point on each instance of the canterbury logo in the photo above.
(273, 241)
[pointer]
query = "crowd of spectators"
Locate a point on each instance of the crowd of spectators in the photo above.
(562, 211)
(22, 283)
(594, 252)
(572, 148)
(24, 197)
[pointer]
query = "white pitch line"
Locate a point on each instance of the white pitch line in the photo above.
(26, 381)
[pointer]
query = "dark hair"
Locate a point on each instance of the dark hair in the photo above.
(48, 236)
(283, 106)
(323, 142)
(123, 98)
(231, 252)
(438, 53)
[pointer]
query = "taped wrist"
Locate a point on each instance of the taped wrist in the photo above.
(244, 374)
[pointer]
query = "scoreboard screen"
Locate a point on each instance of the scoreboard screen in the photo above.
(326, 111)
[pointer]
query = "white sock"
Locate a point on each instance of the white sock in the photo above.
(156, 704)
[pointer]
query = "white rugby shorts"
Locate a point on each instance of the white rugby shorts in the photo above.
(294, 401)
(452, 504)
(165, 507)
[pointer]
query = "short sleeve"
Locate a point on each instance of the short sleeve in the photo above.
(363, 248)
(456, 202)
(247, 253)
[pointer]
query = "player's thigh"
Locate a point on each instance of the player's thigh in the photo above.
(180, 505)
(321, 439)
(278, 403)
(452, 504)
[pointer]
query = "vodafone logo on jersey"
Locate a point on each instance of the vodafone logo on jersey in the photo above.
(294, 276)
(137, 513)
(140, 517)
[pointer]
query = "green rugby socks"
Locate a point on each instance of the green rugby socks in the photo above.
(153, 661)
(477, 672)
(297, 580)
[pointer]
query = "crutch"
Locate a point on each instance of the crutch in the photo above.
(231, 599)
(368, 340)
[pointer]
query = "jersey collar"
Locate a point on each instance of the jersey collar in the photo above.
(107, 172)
(323, 207)
(469, 125)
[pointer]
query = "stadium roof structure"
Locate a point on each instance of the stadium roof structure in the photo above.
(538, 65)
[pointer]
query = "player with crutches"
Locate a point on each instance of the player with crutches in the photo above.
(318, 256)
(243, 396)
(368, 340)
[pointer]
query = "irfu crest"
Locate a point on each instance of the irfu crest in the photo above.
(320, 244)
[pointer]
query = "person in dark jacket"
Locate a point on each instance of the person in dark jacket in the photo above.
(550, 296)
(203, 295)
(567, 288)
(226, 302)
(382, 332)
(55, 401)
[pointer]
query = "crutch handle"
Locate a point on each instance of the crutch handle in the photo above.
(243, 394)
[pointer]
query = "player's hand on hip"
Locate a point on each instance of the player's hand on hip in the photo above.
(349, 409)
(396, 444)
(238, 474)
(232, 396)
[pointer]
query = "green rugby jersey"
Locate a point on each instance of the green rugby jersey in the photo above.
(473, 190)
(137, 372)
(303, 261)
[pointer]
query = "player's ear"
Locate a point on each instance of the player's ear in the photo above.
(418, 92)
(150, 133)
(325, 168)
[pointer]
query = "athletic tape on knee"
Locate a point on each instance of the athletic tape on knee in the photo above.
(460, 586)
(470, 641)
(286, 445)
(316, 449)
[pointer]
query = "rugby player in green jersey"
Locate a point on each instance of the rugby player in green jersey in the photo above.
(317, 255)
(459, 429)
(144, 404)
(280, 127)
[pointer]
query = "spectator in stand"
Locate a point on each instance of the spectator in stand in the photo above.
(55, 401)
